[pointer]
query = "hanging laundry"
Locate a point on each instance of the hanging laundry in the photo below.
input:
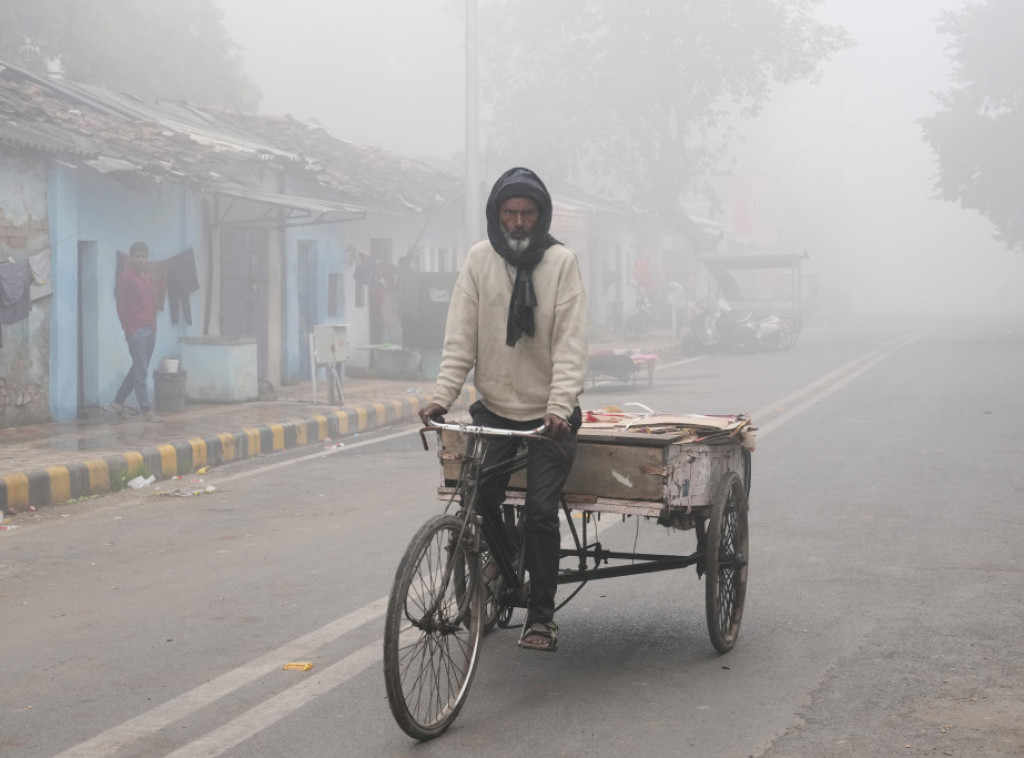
(42, 284)
(182, 280)
(40, 266)
(159, 273)
(15, 302)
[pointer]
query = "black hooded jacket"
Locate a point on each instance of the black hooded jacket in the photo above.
(520, 182)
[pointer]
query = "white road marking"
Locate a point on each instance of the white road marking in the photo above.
(820, 389)
(241, 728)
(270, 711)
(112, 740)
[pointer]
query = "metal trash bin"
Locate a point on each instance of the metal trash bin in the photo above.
(169, 390)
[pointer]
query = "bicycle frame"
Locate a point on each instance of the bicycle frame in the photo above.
(472, 475)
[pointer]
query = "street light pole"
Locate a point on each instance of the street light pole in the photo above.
(472, 129)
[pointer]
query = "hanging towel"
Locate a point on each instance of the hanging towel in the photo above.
(182, 280)
(15, 302)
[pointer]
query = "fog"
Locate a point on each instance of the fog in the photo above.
(851, 177)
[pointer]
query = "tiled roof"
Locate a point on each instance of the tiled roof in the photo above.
(358, 170)
(175, 141)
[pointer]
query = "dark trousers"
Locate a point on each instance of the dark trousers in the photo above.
(547, 469)
(140, 347)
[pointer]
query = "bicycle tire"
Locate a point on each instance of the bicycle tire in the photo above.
(431, 653)
(492, 604)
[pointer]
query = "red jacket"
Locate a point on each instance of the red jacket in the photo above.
(136, 303)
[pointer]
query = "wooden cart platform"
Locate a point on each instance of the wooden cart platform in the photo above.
(658, 466)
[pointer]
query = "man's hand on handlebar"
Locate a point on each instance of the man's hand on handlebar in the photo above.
(557, 427)
(432, 412)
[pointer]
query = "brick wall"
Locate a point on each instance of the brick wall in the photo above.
(25, 353)
(15, 239)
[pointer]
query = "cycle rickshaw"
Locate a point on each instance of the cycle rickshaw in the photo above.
(687, 472)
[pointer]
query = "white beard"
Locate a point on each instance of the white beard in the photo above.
(517, 245)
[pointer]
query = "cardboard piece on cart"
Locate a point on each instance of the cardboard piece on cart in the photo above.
(661, 429)
(599, 432)
(698, 421)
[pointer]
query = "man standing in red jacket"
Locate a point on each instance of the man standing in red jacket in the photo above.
(136, 307)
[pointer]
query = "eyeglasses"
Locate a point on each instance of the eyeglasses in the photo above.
(515, 215)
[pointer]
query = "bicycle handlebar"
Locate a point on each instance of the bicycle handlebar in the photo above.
(540, 431)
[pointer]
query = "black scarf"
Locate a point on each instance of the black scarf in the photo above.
(520, 182)
(524, 298)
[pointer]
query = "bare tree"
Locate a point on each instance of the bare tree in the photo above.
(637, 100)
(160, 49)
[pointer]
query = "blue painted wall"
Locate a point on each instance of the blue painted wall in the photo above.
(108, 217)
(329, 242)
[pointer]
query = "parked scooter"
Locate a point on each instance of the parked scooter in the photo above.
(722, 326)
(766, 331)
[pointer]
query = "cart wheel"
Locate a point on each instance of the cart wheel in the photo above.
(726, 562)
(504, 615)
(433, 629)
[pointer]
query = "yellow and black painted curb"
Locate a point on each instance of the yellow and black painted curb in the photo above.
(51, 485)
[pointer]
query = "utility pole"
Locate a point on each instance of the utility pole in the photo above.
(473, 210)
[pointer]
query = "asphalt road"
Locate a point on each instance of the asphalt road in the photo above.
(884, 608)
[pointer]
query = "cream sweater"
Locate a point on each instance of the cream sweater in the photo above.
(541, 374)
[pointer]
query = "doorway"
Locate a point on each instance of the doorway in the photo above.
(245, 286)
(88, 338)
(309, 304)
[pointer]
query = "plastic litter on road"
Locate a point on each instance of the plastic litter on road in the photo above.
(208, 490)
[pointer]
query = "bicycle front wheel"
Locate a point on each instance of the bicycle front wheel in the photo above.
(433, 629)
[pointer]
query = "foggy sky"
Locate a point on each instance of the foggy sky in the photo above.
(846, 153)
(389, 74)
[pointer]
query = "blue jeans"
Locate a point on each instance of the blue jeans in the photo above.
(140, 347)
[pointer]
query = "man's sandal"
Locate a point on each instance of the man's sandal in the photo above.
(538, 635)
(123, 410)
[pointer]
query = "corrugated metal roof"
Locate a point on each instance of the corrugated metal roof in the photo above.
(19, 136)
(357, 171)
(302, 210)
